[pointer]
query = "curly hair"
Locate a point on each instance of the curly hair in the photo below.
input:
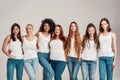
(50, 22)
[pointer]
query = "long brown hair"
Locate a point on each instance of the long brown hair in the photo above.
(87, 37)
(77, 43)
(61, 36)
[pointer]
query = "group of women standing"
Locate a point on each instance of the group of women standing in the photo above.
(54, 51)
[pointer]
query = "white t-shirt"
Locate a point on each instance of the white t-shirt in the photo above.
(90, 51)
(29, 48)
(57, 50)
(105, 45)
(43, 43)
(16, 49)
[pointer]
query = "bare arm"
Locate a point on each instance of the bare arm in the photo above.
(37, 41)
(4, 47)
(114, 48)
(37, 34)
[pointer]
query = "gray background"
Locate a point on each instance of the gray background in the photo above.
(63, 12)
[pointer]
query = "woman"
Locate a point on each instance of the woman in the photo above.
(57, 55)
(73, 50)
(108, 50)
(89, 53)
(30, 52)
(44, 35)
(14, 52)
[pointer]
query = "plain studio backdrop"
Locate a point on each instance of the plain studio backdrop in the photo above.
(62, 12)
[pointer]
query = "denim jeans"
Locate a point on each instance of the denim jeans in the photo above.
(73, 67)
(11, 65)
(30, 66)
(58, 67)
(44, 60)
(105, 67)
(88, 69)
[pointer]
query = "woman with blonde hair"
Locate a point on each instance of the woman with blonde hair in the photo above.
(30, 42)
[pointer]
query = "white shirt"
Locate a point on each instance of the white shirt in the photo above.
(16, 49)
(72, 49)
(43, 43)
(90, 51)
(29, 48)
(106, 45)
(57, 50)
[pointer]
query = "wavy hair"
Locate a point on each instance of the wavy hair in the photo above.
(77, 43)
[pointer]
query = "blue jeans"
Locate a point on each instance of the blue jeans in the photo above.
(58, 67)
(73, 68)
(30, 66)
(105, 67)
(44, 60)
(11, 65)
(88, 69)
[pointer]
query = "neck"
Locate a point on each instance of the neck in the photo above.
(57, 37)
(73, 35)
(15, 36)
(91, 37)
(105, 31)
(29, 35)
(46, 32)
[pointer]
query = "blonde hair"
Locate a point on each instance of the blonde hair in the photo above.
(77, 43)
(29, 25)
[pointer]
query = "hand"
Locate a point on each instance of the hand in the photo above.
(9, 51)
(11, 56)
(114, 64)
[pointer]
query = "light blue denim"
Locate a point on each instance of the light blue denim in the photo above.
(73, 67)
(44, 60)
(105, 68)
(58, 67)
(11, 65)
(88, 69)
(30, 66)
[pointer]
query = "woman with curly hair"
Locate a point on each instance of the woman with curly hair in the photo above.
(44, 35)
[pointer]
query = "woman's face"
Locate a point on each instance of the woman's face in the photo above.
(104, 25)
(16, 30)
(29, 29)
(57, 30)
(46, 27)
(73, 27)
(91, 31)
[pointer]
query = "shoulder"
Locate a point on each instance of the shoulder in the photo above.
(23, 36)
(113, 34)
(82, 37)
(8, 37)
(99, 34)
(38, 34)
(36, 38)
